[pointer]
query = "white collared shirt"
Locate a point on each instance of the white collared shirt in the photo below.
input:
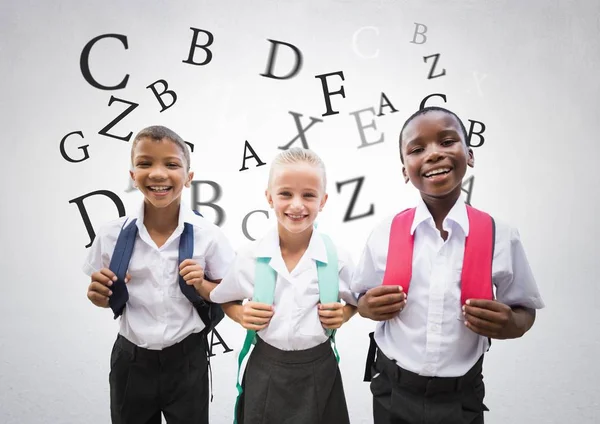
(295, 325)
(158, 314)
(429, 336)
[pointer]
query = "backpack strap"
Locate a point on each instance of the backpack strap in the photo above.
(476, 277)
(329, 285)
(186, 251)
(119, 263)
(328, 274)
(398, 267)
(210, 313)
(265, 278)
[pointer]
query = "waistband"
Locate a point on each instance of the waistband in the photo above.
(174, 352)
(426, 384)
(262, 348)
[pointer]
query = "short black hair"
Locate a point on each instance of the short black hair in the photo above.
(159, 132)
(423, 112)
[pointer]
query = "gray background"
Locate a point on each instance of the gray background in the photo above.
(526, 69)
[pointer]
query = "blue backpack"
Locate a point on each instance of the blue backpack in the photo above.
(210, 313)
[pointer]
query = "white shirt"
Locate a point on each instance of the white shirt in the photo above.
(295, 325)
(429, 336)
(158, 314)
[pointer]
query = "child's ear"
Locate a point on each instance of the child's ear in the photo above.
(323, 201)
(132, 177)
(190, 178)
(405, 175)
(470, 158)
(269, 197)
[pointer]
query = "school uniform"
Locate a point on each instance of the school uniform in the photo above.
(428, 367)
(159, 360)
(292, 375)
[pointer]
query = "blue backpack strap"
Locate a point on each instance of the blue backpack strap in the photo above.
(265, 278)
(210, 313)
(186, 251)
(119, 262)
(328, 274)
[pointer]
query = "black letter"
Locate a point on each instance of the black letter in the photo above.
(166, 91)
(195, 44)
(361, 127)
(469, 190)
(472, 132)
(63, 152)
(191, 146)
(86, 219)
(104, 131)
(327, 94)
(422, 105)
(245, 222)
(301, 130)
(196, 200)
(348, 216)
(386, 104)
(253, 155)
(437, 56)
(273, 55)
(221, 342)
(85, 65)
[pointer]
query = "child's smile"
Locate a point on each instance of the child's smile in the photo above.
(159, 191)
(296, 217)
(436, 155)
(296, 193)
(159, 171)
(438, 175)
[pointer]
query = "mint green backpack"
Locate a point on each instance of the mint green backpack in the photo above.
(264, 291)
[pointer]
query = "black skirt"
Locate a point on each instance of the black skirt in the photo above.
(292, 387)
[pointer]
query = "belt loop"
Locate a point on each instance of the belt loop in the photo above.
(127, 346)
(184, 344)
(458, 384)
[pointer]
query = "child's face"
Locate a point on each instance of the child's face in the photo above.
(297, 195)
(435, 155)
(159, 171)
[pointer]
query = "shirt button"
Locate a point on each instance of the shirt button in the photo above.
(434, 327)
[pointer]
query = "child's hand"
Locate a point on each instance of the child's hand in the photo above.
(192, 274)
(256, 316)
(331, 315)
(98, 290)
(490, 318)
(382, 303)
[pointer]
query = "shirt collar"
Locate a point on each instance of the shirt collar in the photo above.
(268, 246)
(458, 215)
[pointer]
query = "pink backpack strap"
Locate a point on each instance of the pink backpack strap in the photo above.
(398, 267)
(476, 278)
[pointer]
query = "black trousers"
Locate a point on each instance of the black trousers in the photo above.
(403, 397)
(174, 381)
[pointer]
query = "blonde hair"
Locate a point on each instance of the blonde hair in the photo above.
(298, 155)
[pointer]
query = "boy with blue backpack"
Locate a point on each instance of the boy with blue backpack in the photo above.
(153, 270)
(294, 278)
